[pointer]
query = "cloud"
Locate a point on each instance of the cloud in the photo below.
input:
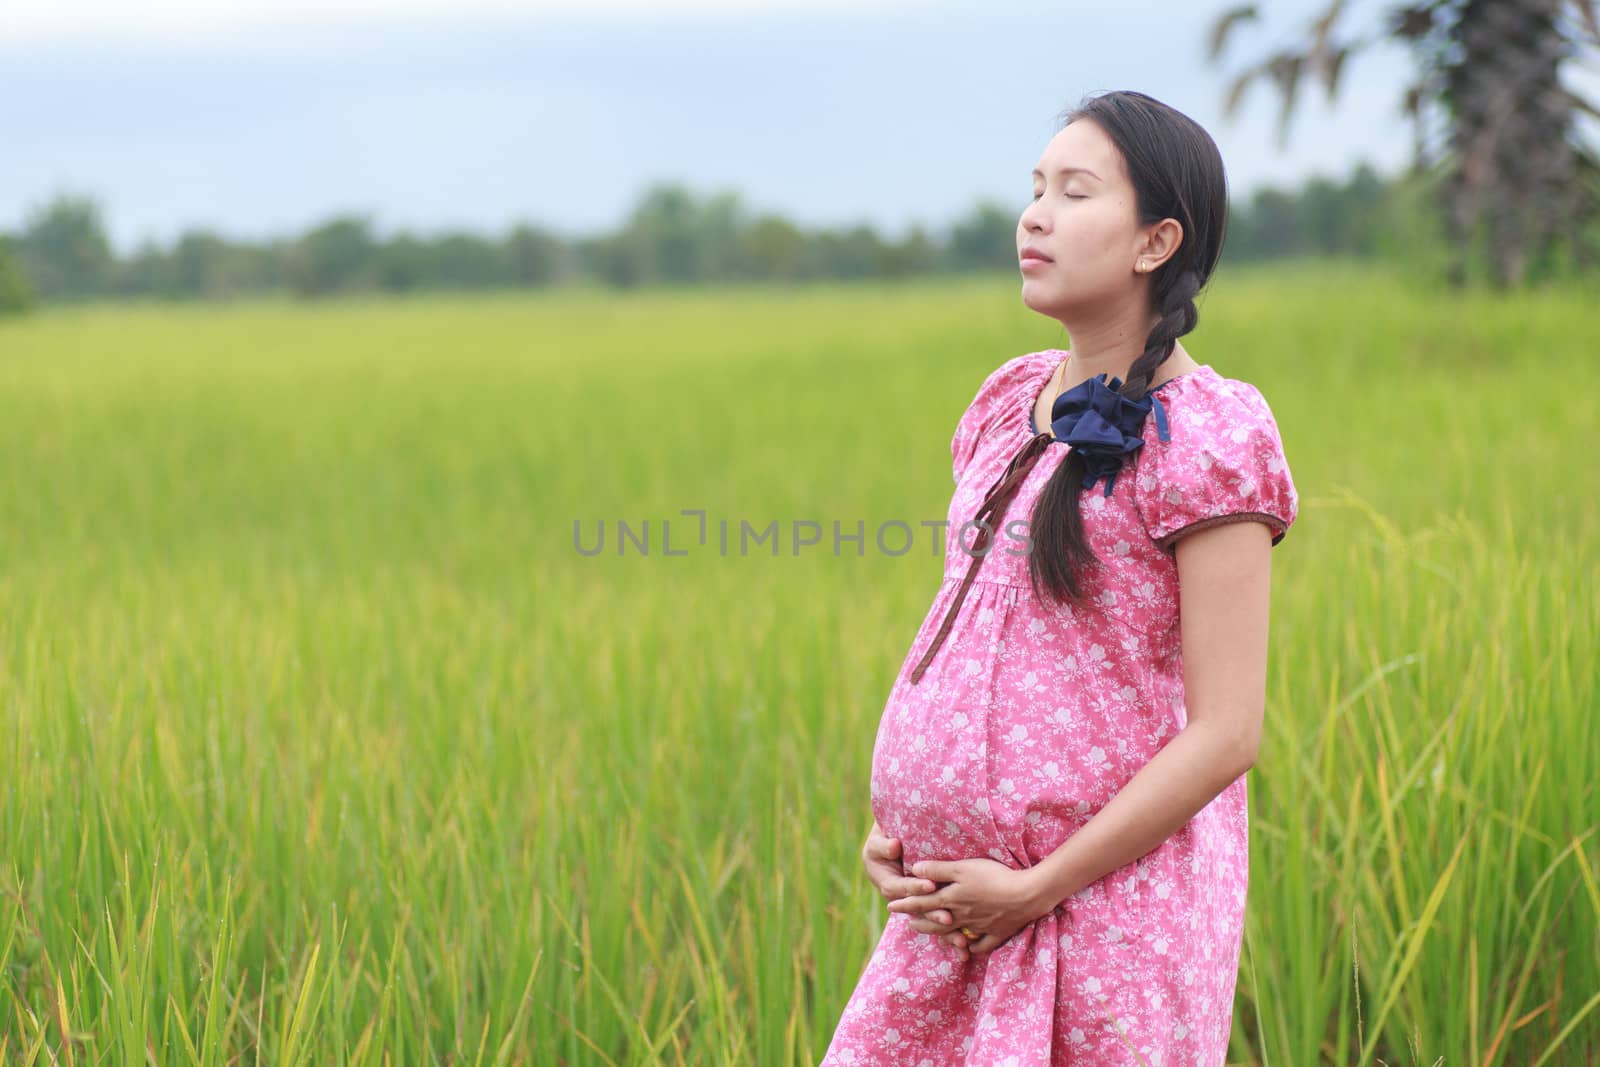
(204, 22)
(480, 120)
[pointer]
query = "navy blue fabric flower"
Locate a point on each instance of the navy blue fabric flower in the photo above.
(1104, 426)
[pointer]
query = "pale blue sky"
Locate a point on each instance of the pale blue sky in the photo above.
(261, 119)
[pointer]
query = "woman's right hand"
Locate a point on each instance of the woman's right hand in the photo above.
(881, 855)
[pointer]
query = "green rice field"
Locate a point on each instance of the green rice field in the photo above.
(322, 742)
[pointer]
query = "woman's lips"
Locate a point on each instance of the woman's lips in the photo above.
(1028, 261)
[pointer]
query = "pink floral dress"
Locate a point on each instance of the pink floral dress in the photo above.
(1029, 718)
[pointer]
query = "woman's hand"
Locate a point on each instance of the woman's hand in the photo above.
(987, 897)
(881, 855)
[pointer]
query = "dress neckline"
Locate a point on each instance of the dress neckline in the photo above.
(1055, 365)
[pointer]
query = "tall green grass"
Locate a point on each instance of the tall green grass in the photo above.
(323, 744)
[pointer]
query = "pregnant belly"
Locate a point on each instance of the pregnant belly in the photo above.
(930, 784)
(950, 787)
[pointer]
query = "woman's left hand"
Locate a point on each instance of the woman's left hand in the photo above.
(986, 897)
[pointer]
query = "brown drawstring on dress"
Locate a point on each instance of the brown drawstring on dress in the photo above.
(989, 514)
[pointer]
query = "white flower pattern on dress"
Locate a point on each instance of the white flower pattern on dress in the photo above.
(1028, 720)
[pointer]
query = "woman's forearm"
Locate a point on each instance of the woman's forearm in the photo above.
(1167, 792)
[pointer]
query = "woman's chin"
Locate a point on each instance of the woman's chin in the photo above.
(1036, 297)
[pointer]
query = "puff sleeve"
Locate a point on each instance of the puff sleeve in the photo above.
(1223, 463)
(999, 394)
(964, 443)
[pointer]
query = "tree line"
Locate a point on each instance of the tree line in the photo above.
(61, 253)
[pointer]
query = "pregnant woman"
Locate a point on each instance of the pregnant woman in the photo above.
(1058, 783)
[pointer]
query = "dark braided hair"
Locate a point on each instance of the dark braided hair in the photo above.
(1177, 173)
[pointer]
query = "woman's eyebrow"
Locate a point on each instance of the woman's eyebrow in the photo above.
(1037, 173)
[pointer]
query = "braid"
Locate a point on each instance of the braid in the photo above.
(1178, 316)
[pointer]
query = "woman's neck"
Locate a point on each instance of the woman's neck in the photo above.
(1080, 367)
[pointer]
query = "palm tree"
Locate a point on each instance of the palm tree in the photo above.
(1514, 175)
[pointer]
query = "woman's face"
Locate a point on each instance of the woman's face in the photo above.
(1084, 218)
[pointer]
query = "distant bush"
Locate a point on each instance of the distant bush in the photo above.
(16, 294)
